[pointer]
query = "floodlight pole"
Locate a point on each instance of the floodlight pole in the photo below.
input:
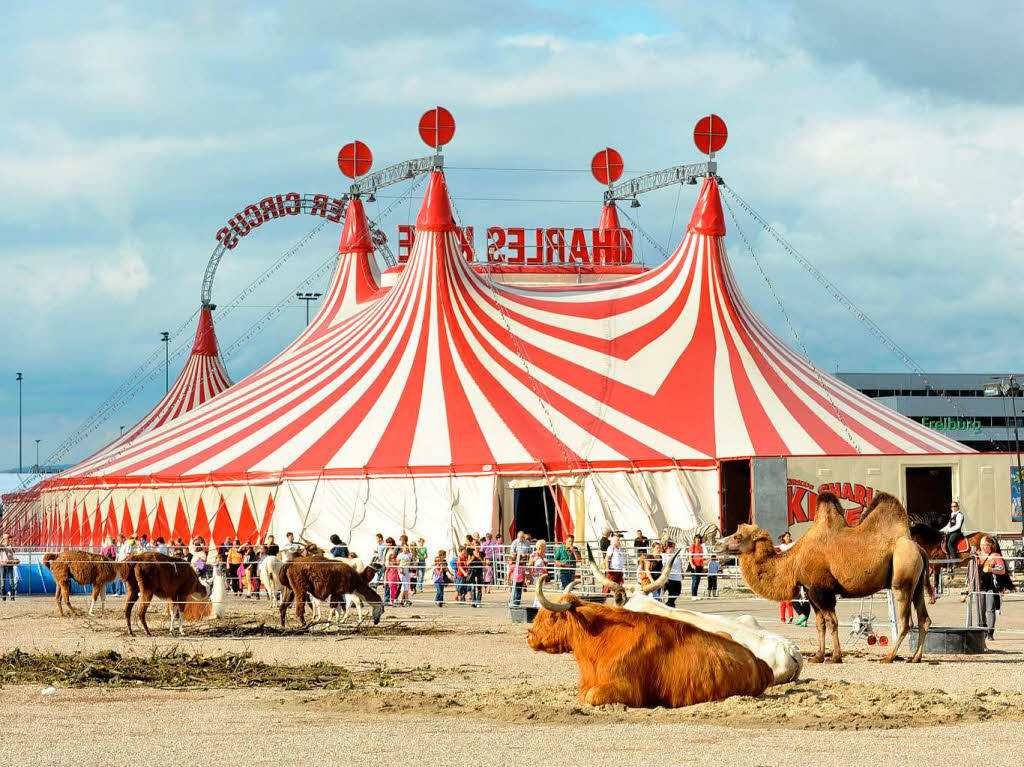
(19, 379)
(165, 336)
(307, 298)
(37, 455)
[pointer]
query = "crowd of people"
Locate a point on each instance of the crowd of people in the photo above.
(405, 568)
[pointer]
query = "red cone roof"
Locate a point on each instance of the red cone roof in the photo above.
(436, 211)
(355, 237)
(707, 216)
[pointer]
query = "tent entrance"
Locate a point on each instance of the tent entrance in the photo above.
(929, 492)
(735, 479)
(534, 512)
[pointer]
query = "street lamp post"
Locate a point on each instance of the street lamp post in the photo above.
(165, 336)
(37, 455)
(308, 297)
(18, 379)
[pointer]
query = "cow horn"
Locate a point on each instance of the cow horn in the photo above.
(599, 577)
(568, 589)
(555, 607)
(663, 578)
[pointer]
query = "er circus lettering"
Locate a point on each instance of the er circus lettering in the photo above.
(278, 206)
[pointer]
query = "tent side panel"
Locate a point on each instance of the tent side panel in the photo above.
(980, 481)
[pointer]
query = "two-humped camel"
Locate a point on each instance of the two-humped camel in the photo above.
(834, 560)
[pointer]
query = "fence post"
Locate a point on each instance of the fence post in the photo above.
(972, 578)
(890, 603)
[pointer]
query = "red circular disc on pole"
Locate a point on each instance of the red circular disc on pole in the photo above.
(710, 133)
(437, 126)
(607, 166)
(355, 159)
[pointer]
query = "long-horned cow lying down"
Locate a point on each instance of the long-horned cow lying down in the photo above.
(644, 660)
(158, 575)
(86, 568)
(777, 651)
(781, 654)
(328, 580)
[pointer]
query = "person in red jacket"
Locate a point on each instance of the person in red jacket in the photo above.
(461, 575)
(695, 565)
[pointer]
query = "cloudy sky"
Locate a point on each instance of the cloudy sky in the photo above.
(883, 139)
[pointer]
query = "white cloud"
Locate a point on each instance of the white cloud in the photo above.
(549, 42)
(133, 134)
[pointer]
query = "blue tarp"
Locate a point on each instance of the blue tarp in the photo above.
(36, 579)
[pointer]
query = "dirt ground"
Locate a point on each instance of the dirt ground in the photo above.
(461, 685)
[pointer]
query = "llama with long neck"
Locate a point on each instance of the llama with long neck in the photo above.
(213, 606)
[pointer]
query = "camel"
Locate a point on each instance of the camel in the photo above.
(931, 540)
(86, 568)
(833, 560)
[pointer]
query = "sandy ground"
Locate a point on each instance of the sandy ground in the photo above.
(481, 695)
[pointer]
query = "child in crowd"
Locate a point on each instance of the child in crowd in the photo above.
(461, 574)
(441, 577)
(714, 568)
(488, 573)
(391, 579)
(643, 570)
(405, 566)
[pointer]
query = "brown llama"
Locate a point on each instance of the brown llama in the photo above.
(158, 575)
(86, 568)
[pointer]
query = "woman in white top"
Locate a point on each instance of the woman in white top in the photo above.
(675, 575)
(538, 565)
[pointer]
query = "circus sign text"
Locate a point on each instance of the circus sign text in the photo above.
(802, 499)
(279, 206)
(539, 246)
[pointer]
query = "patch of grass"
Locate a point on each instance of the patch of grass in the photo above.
(235, 628)
(176, 668)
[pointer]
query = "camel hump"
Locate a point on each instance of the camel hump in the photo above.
(830, 499)
(888, 503)
(48, 558)
(282, 575)
(829, 511)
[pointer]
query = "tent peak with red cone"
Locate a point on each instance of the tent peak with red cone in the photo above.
(436, 212)
(206, 340)
(355, 236)
(707, 215)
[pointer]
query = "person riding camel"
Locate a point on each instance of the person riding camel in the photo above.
(953, 530)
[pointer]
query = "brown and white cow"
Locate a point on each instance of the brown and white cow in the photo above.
(643, 660)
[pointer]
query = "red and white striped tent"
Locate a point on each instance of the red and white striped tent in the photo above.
(203, 378)
(420, 408)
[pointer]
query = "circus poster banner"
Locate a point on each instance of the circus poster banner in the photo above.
(802, 499)
(1016, 482)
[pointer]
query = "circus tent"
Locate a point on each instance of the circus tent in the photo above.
(421, 408)
(203, 377)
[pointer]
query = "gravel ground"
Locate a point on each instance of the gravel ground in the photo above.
(490, 700)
